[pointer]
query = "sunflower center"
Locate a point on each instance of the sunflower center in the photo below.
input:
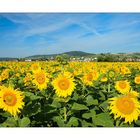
(89, 77)
(40, 78)
(122, 85)
(35, 67)
(64, 84)
(104, 78)
(125, 105)
(10, 99)
(138, 79)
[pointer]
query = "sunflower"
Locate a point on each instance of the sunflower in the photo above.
(35, 67)
(104, 78)
(11, 100)
(95, 74)
(0, 87)
(40, 79)
(137, 79)
(111, 73)
(4, 75)
(123, 86)
(27, 79)
(125, 70)
(64, 85)
(88, 79)
(125, 107)
(133, 93)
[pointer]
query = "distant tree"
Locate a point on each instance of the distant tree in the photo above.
(21, 59)
(62, 59)
(106, 58)
(124, 59)
(135, 58)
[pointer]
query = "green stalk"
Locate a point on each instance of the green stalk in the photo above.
(65, 114)
(16, 118)
(108, 87)
(104, 88)
(117, 123)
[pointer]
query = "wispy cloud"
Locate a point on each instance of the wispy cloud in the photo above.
(28, 34)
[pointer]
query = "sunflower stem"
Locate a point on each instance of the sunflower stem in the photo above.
(65, 114)
(117, 123)
(104, 88)
(108, 87)
(17, 120)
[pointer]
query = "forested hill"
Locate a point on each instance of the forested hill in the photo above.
(71, 53)
(102, 56)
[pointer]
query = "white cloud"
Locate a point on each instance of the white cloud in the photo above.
(108, 33)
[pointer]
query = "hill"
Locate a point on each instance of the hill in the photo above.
(71, 53)
(7, 59)
(79, 55)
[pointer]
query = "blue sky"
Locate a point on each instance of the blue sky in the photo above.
(49, 33)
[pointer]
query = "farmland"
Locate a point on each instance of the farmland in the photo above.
(69, 94)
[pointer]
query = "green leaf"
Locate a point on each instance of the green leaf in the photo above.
(24, 122)
(48, 109)
(20, 82)
(87, 115)
(86, 124)
(104, 106)
(91, 114)
(59, 121)
(69, 113)
(55, 104)
(32, 108)
(96, 108)
(113, 94)
(36, 109)
(71, 70)
(65, 100)
(73, 122)
(75, 96)
(32, 96)
(5, 114)
(127, 125)
(77, 106)
(103, 119)
(93, 111)
(90, 101)
(10, 122)
(35, 97)
(102, 96)
(137, 122)
(95, 102)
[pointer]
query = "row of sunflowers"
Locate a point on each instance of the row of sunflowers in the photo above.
(73, 94)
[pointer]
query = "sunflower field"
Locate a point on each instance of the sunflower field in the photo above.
(69, 94)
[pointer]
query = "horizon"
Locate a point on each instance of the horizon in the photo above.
(69, 52)
(23, 35)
